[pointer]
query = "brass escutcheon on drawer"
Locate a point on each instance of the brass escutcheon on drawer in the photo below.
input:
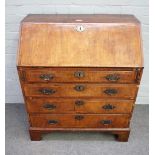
(79, 117)
(46, 77)
(79, 102)
(79, 74)
(108, 107)
(110, 91)
(52, 122)
(113, 77)
(49, 106)
(79, 87)
(47, 91)
(106, 122)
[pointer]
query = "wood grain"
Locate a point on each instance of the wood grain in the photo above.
(104, 44)
(39, 105)
(66, 105)
(89, 75)
(122, 134)
(78, 18)
(80, 72)
(88, 120)
(90, 90)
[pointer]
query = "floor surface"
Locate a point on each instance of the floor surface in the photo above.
(85, 143)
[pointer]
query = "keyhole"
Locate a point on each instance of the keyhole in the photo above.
(79, 88)
(80, 28)
(79, 74)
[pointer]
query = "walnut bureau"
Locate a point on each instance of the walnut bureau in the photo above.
(80, 72)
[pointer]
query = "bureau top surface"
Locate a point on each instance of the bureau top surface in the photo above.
(80, 41)
(78, 18)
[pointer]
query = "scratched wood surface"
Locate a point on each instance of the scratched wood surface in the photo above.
(105, 41)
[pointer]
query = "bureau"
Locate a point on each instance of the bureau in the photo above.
(80, 72)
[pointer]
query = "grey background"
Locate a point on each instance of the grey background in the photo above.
(16, 10)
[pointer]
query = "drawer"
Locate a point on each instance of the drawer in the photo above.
(106, 106)
(49, 105)
(80, 75)
(82, 120)
(81, 90)
(78, 105)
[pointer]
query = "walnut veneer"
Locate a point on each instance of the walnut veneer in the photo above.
(80, 72)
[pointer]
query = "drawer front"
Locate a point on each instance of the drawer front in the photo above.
(49, 105)
(105, 106)
(81, 90)
(85, 121)
(80, 75)
(78, 105)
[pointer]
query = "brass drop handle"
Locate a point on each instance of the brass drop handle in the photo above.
(79, 117)
(49, 106)
(47, 91)
(108, 107)
(79, 74)
(79, 102)
(106, 122)
(79, 87)
(113, 77)
(46, 77)
(52, 122)
(110, 91)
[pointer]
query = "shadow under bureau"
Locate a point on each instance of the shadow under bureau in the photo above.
(80, 72)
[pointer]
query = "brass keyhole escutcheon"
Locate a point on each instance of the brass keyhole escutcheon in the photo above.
(79, 102)
(79, 74)
(79, 88)
(79, 117)
(80, 28)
